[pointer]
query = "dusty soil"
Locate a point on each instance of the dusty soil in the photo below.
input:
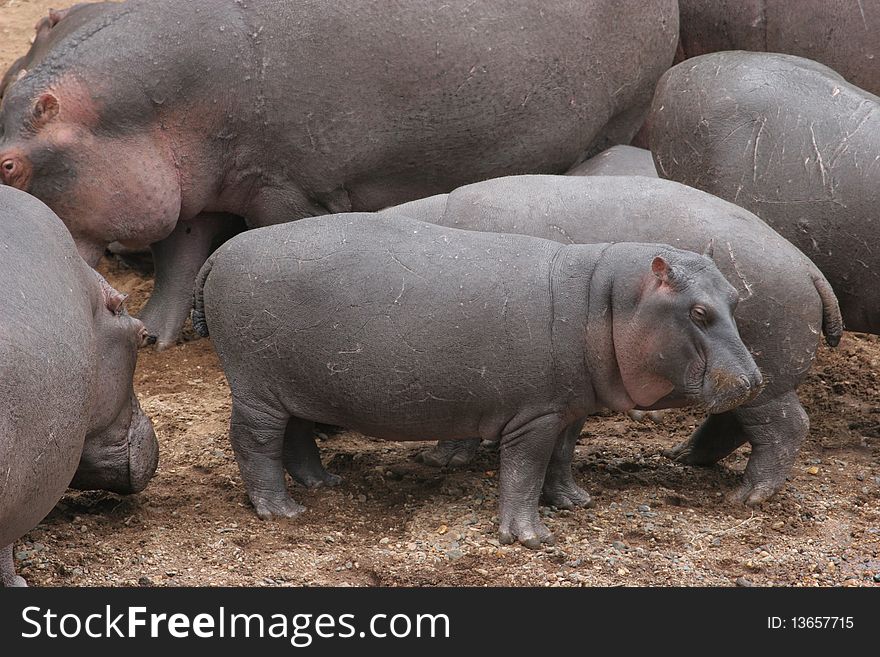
(396, 522)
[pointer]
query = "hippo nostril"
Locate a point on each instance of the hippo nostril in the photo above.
(745, 381)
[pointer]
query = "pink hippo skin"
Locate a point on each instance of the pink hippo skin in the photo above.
(68, 412)
(161, 122)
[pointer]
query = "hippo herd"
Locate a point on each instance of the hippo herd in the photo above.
(429, 221)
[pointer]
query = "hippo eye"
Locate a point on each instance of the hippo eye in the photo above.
(8, 165)
(699, 314)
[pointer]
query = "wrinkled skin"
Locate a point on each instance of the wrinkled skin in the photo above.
(618, 160)
(791, 141)
(49, 31)
(68, 412)
(785, 299)
(114, 131)
(404, 330)
(842, 35)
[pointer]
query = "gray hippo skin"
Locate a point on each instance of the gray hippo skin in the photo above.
(405, 330)
(785, 300)
(49, 31)
(842, 34)
(156, 121)
(791, 141)
(67, 354)
(618, 160)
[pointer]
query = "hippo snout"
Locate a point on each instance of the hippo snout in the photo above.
(725, 390)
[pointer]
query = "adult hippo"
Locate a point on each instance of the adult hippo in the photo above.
(404, 330)
(842, 35)
(159, 120)
(791, 141)
(785, 304)
(67, 355)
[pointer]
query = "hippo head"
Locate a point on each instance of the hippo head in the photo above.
(675, 337)
(120, 452)
(109, 175)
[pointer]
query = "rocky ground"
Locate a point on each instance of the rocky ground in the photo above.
(395, 522)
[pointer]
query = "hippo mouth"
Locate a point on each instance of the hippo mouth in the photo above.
(143, 451)
(725, 391)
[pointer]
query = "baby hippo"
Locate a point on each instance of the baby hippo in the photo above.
(67, 354)
(405, 330)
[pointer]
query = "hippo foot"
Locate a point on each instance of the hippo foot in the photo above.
(685, 452)
(527, 529)
(276, 505)
(16, 582)
(657, 417)
(565, 495)
(751, 494)
(313, 478)
(450, 453)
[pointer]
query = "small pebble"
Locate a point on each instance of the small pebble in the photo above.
(743, 582)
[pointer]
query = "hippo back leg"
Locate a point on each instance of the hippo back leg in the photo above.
(560, 489)
(302, 458)
(7, 569)
(257, 436)
(775, 430)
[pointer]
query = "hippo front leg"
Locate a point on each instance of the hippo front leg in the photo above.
(560, 489)
(177, 260)
(258, 442)
(450, 453)
(302, 458)
(7, 569)
(525, 454)
(775, 431)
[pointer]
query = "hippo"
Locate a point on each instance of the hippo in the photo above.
(791, 141)
(67, 353)
(785, 300)
(48, 33)
(620, 160)
(842, 35)
(135, 131)
(405, 330)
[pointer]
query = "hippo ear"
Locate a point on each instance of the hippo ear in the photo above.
(56, 16)
(709, 251)
(45, 109)
(113, 299)
(662, 270)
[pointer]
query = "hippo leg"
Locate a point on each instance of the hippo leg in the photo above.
(717, 437)
(525, 454)
(775, 431)
(7, 569)
(302, 459)
(258, 442)
(560, 489)
(177, 260)
(450, 453)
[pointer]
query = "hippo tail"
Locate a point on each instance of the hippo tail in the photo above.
(199, 321)
(832, 321)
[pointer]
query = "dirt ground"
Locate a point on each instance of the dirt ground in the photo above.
(395, 522)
